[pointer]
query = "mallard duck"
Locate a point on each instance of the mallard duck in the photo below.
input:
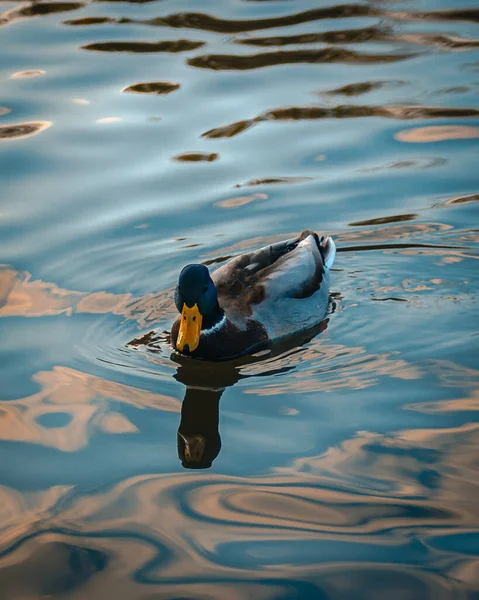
(254, 299)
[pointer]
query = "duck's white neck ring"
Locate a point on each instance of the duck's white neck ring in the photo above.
(217, 326)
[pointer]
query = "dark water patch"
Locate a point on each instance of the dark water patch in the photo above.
(214, 24)
(153, 87)
(360, 88)
(125, 1)
(205, 22)
(83, 22)
(217, 260)
(197, 157)
(367, 34)
(398, 246)
(446, 42)
(145, 47)
(463, 199)
(22, 130)
(389, 112)
(273, 181)
(389, 298)
(225, 62)
(412, 163)
(383, 220)
(460, 89)
(53, 567)
(229, 131)
(38, 9)
(346, 36)
(459, 14)
(343, 111)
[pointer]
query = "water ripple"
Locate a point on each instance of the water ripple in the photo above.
(344, 111)
(340, 463)
(222, 62)
(145, 47)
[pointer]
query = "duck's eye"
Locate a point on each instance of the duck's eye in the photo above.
(205, 289)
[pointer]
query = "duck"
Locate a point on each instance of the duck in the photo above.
(253, 300)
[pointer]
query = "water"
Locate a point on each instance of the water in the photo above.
(140, 136)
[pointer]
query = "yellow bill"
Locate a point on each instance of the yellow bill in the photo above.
(190, 328)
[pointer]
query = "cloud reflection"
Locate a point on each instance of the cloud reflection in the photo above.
(85, 399)
(20, 295)
(387, 496)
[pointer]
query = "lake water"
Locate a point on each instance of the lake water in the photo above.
(137, 137)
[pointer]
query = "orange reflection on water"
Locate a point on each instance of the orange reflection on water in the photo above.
(19, 131)
(438, 133)
(360, 370)
(452, 375)
(20, 512)
(367, 491)
(83, 399)
(22, 296)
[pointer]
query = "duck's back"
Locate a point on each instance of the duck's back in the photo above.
(284, 286)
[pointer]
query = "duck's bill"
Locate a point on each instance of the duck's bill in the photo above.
(190, 329)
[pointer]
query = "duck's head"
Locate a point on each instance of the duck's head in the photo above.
(196, 299)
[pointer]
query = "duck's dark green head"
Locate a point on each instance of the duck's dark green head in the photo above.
(197, 301)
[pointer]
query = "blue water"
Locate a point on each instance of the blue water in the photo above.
(137, 137)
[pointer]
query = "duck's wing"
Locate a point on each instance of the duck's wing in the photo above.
(293, 268)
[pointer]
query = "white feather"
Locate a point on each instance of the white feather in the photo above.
(331, 255)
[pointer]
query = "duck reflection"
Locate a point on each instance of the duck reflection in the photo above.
(198, 438)
(199, 441)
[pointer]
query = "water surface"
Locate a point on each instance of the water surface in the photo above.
(137, 137)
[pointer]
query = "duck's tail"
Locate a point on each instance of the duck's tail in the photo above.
(328, 249)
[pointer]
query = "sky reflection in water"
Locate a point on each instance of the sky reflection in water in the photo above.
(138, 137)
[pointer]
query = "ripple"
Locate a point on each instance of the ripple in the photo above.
(84, 400)
(83, 22)
(463, 199)
(344, 111)
(442, 41)
(223, 62)
(360, 88)
(384, 220)
(460, 14)
(339, 464)
(38, 9)
(367, 34)
(417, 163)
(206, 22)
(108, 120)
(197, 157)
(172, 46)
(240, 200)
(55, 568)
(372, 498)
(273, 181)
(344, 36)
(27, 74)
(438, 133)
(20, 131)
(20, 295)
(153, 87)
